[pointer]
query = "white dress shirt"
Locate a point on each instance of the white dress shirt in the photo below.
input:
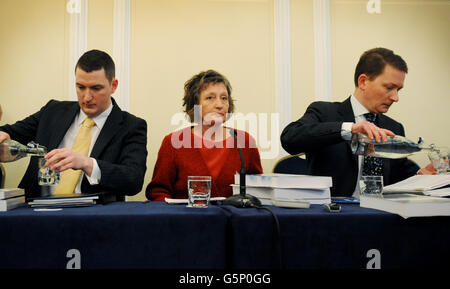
(69, 140)
(346, 132)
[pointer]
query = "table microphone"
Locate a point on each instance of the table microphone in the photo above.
(242, 200)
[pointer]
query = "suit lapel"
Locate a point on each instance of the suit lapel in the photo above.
(63, 123)
(346, 113)
(111, 127)
(383, 122)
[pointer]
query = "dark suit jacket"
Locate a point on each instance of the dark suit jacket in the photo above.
(318, 134)
(120, 149)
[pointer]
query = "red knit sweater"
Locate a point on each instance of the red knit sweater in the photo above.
(180, 156)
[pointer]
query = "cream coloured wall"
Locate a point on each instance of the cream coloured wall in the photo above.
(174, 39)
(33, 57)
(100, 25)
(416, 30)
(302, 51)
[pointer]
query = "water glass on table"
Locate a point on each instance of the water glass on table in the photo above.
(199, 191)
(371, 186)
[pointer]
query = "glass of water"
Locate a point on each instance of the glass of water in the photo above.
(371, 186)
(199, 191)
(439, 157)
(46, 176)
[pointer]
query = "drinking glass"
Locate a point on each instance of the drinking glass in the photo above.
(439, 158)
(371, 186)
(46, 176)
(199, 191)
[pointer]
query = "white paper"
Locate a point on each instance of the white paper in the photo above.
(444, 192)
(185, 201)
(419, 183)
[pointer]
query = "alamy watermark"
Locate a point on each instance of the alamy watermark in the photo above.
(373, 6)
(73, 6)
(74, 261)
(262, 127)
(375, 259)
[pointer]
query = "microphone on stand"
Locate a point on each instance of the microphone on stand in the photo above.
(242, 200)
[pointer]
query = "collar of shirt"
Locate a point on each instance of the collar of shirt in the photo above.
(358, 109)
(99, 119)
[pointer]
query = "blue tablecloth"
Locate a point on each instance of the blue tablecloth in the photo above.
(315, 238)
(156, 235)
(116, 235)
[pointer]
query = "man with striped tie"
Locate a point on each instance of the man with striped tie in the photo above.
(97, 146)
(325, 129)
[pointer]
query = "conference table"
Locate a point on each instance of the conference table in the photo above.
(355, 238)
(114, 236)
(156, 235)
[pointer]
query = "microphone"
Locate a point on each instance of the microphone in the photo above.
(242, 200)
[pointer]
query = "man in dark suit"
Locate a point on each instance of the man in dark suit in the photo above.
(116, 162)
(325, 130)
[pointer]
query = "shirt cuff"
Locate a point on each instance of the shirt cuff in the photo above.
(96, 175)
(346, 130)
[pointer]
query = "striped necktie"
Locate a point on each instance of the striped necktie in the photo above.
(372, 166)
(69, 178)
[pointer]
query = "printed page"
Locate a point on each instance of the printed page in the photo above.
(419, 183)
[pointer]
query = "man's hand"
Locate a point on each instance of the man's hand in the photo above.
(428, 170)
(4, 136)
(3, 154)
(372, 131)
(64, 159)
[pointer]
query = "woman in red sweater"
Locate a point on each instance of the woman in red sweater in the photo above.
(206, 148)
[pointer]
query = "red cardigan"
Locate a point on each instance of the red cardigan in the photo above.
(183, 158)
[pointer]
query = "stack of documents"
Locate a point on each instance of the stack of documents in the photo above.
(408, 205)
(417, 196)
(287, 189)
(70, 200)
(11, 199)
(430, 185)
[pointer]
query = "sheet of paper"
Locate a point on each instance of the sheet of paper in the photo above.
(185, 201)
(444, 192)
(419, 183)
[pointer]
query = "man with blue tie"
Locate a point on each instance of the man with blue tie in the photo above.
(97, 146)
(324, 131)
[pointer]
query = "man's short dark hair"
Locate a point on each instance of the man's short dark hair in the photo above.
(194, 86)
(373, 61)
(95, 60)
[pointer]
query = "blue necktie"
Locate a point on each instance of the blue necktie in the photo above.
(372, 166)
